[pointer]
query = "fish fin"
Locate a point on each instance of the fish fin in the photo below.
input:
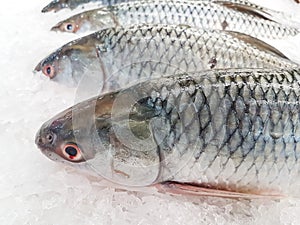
(259, 44)
(260, 12)
(196, 190)
(249, 9)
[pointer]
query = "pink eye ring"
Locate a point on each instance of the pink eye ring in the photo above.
(72, 152)
(49, 71)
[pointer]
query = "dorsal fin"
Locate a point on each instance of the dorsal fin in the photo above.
(259, 44)
(250, 9)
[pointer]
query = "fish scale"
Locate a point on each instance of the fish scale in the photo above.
(57, 5)
(200, 14)
(219, 129)
(121, 56)
(236, 141)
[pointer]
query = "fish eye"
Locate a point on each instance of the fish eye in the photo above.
(72, 152)
(49, 71)
(70, 27)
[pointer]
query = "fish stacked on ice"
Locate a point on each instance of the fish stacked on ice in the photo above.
(200, 14)
(189, 98)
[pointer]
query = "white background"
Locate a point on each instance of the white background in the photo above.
(35, 190)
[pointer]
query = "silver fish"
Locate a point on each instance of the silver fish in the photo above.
(221, 15)
(57, 5)
(120, 56)
(220, 132)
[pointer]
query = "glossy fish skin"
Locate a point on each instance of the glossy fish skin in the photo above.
(235, 130)
(221, 15)
(120, 56)
(57, 5)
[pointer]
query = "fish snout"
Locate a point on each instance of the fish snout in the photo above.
(54, 6)
(55, 27)
(44, 140)
(38, 68)
(50, 7)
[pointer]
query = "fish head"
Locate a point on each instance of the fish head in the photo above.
(59, 138)
(56, 140)
(50, 66)
(66, 64)
(87, 21)
(76, 133)
(74, 24)
(55, 6)
(88, 134)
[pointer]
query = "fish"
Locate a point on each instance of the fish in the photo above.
(115, 57)
(57, 5)
(221, 15)
(226, 133)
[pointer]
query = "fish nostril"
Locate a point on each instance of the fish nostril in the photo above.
(49, 138)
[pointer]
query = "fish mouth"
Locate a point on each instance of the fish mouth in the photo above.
(56, 27)
(40, 142)
(53, 6)
(46, 150)
(38, 68)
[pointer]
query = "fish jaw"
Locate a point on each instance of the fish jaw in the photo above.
(55, 6)
(38, 67)
(58, 27)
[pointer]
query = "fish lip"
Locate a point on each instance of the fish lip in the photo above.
(55, 27)
(37, 138)
(39, 141)
(46, 9)
(46, 150)
(52, 6)
(38, 68)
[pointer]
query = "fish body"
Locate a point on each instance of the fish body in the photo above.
(57, 5)
(120, 56)
(221, 15)
(232, 130)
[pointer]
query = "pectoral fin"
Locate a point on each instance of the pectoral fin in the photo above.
(195, 190)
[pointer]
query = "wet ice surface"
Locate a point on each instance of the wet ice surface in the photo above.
(34, 190)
